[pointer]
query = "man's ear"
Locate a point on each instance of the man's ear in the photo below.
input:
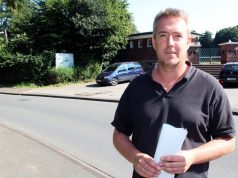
(189, 41)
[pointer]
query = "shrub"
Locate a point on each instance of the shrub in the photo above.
(61, 75)
(81, 73)
(89, 71)
(18, 68)
(39, 69)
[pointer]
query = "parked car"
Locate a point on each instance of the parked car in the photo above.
(119, 72)
(229, 73)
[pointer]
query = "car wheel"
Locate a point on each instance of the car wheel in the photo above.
(114, 81)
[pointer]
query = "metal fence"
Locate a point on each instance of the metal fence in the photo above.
(209, 56)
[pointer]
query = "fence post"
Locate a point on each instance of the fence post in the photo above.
(210, 54)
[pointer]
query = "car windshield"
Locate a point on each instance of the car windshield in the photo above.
(111, 68)
(233, 67)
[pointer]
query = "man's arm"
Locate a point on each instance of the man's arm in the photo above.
(214, 149)
(143, 164)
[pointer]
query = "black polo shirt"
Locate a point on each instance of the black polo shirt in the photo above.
(197, 103)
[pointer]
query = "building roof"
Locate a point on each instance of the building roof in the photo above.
(195, 44)
(144, 35)
(228, 43)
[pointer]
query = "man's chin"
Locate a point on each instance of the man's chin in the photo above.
(172, 62)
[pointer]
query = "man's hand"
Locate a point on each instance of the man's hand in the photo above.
(176, 164)
(145, 166)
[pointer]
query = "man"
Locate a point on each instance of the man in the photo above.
(176, 93)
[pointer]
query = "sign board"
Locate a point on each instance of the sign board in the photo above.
(64, 60)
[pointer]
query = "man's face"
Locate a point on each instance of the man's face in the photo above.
(171, 41)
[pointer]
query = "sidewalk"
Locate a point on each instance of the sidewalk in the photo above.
(91, 91)
(25, 157)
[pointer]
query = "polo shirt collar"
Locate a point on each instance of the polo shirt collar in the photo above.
(189, 74)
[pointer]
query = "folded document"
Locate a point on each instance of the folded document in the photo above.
(170, 142)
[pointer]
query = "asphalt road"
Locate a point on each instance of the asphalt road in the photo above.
(82, 129)
(226, 167)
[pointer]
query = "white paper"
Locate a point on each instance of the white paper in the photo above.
(170, 142)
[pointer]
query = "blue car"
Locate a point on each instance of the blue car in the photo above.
(119, 72)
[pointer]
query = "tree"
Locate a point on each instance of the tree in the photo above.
(95, 28)
(226, 34)
(7, 8)
(121, 26)
(206, 40)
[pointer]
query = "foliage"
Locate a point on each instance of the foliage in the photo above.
(66, 74)
(2, 44)
(226, 34)
(121, 26)
(89, 71)
(94, 30)
(7, 9)
(61, 75)
(17, 68)
(206, 40)
(98, 28)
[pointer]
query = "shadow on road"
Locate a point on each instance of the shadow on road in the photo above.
(94, 85)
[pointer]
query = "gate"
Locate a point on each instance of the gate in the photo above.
(209, 56)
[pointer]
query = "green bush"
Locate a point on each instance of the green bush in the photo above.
(18, 68)
(61, 75)
(89, 71)
(40, 70)
(80, 73)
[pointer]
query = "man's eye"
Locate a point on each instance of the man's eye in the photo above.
(162, 35)
(178, 36)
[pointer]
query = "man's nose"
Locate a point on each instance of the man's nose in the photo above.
(170, 40)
